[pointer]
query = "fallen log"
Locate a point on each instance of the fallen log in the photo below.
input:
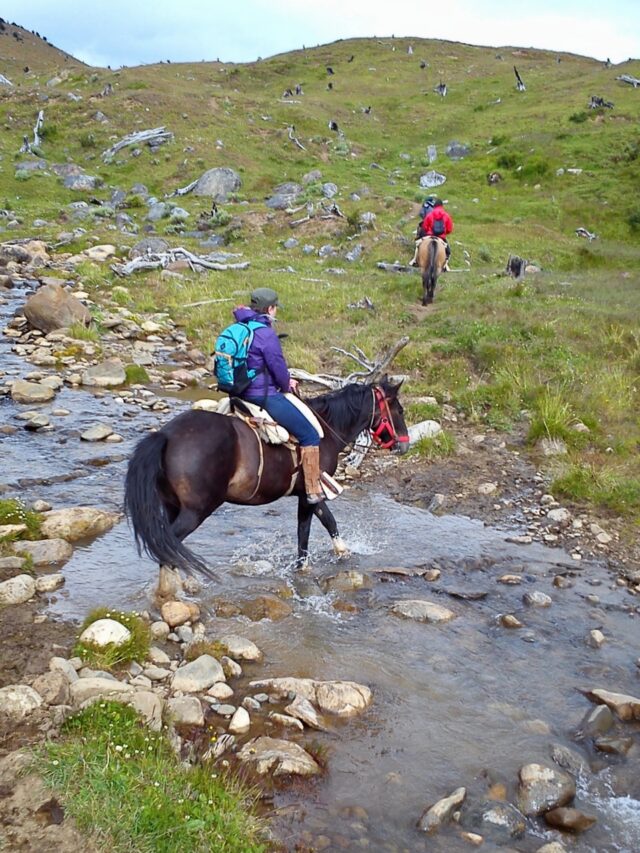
(160, 260)
(292, 136)
(627, 78)
(516, 267)
(395, 267)
(183, 190)
(156, 136)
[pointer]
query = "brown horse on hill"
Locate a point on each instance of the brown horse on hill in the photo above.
(432, 256)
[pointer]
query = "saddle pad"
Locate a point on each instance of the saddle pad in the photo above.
(261, 420)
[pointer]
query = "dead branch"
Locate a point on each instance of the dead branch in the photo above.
(153, 138)
(372, 372)
(627, 78)
(582, 232)
(292, 137)
(516, 267)
(395, 267)
(183, 190)
(296, 222)
(206, 302)
(28, 147)
(160, 260)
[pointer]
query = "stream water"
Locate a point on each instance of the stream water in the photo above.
(464, 703)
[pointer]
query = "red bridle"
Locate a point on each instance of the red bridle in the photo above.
(385, 423)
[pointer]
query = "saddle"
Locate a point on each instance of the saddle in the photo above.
(269, 431)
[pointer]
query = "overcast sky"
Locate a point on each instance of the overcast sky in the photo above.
(122, 32)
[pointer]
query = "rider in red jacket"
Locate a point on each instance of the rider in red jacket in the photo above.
(437, 223)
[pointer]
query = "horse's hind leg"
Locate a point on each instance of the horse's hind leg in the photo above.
(170, 581)
(305, 516)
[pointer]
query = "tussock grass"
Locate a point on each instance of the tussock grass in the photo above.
(435, 447)
(107, 657)
(124, 786)
(136, 374)
(80, 332)
(14, 511)
(609, 488)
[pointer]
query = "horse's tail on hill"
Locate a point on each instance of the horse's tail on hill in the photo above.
(145, 507)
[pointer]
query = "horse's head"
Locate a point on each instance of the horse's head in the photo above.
(387, 425)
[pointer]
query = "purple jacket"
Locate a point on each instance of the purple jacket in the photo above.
(265, 356)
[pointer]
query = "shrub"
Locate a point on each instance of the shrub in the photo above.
(579, 118)
(507, 161)
(435, 447)
(80, 332)
(87, 140)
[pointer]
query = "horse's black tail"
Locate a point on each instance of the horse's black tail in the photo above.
(145, 508)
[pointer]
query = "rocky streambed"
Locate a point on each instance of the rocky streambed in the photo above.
(452, 685)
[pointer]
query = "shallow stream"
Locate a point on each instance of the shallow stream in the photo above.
(460, 704)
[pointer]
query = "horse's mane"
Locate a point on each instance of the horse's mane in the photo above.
(345, 409)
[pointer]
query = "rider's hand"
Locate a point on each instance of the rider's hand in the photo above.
(293, 386)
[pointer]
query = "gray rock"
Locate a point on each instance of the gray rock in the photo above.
(432, 179)
(280, 757)
(98, 432)
(329, 190)
(150, 707)
(45, 552)
(105, 632)
(240, 648)
(82, 183)
(284, 196)
(457, 151)
(17, 590)
(94, 686)
(107, 374)
(291, 243)
(343, 698)
(186, 710)
(77, 523)
(543, 788)
(423, 611)
(157, 211)
(597, 722)
(17, 701)
(441, 812)
(312, 177)
(198, 675)
(58, 664)
(218, 183)
(53, 687)
(23, 391)
(535, 598)
(49, 583)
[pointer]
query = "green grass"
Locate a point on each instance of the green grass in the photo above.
(14, 511)
(608, 488)
(124, 786)
(106, 657)
(434, 447)
(80, 332)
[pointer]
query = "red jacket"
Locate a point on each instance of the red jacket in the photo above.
(437, 213)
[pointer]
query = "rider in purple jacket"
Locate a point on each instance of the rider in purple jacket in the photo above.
(272, 381)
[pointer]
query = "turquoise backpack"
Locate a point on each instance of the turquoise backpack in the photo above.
(231, 351)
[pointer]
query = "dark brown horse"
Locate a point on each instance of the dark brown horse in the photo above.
(181, 474)
(432, 256)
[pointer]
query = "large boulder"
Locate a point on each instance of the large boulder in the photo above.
(23, 391)
(218, 183)
(51, 307)
(78, 522)
(149, 245)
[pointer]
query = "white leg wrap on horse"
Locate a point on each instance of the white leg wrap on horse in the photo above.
(340, 547)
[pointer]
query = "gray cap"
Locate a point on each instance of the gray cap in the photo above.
(262, 298)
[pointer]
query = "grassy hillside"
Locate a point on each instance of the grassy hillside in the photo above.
(562, 346)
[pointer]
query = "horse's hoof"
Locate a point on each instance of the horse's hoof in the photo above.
(303, 566)
(170, 583)
(340, 548)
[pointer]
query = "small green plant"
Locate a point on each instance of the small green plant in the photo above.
(507, 161)
(14, 511)
(633, 219)
(134, 200)
(214, 648)
(123, 783)
(105, 657)
(136, 374)
(87, 140)
(552, 417)
(220, 218)
(579, 118)
(22, 175)
(435, 447)
(499, 139)
(80, 332)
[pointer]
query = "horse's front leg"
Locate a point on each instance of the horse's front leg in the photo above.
(325, 515)
(305, 515)
(169, 583)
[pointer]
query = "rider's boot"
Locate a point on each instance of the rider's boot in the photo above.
(310, 457)
(414, 260)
